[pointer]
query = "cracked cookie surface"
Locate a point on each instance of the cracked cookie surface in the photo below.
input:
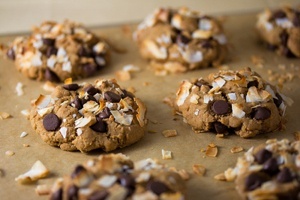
(178, 40)
(115, 176)
(86, 117)
(57, 51)
(231, 101)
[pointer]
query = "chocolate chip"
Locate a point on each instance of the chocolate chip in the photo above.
(288, 53)
(284, 176)
(99, 126)
(271, 167)
(157, 187)
(78, 103)
(11, 54)
(181, 39)
(220, 128)
(51, 76)
(252, 83)
(88, 98)
(277, 101)
(296, 19)
(48, 41)
(99, 60)
(127, 181)
(105, 113)
(201, 82)
(261, 113)
(73, 193)
(284, 38)
(112, 97)
(278, 14)
(262, 156)
(78, 169)
(57, 195)
(206, 44)
(71, 87)
(91, 90)
(220, 107)
(51, 51)
(254, 181)
(99, 195)
(85, 52)
(127, 94)
(51, 122)
(89, 69)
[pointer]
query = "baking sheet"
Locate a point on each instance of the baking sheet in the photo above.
(185, 147)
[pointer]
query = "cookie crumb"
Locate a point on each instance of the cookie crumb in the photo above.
(123, 75)
(297, 135)
(9, 153)
(257, 61)
(4, 115)
(26, 145)
(219, 135)
(169, 101)
(169, 133)
(166, 155)
(19, 89)
(211, 150)
(49, 86)
(146, 83)
(25, 112)
(37, 171)
(199, 169)
(42, 190)
(23, 134)
(131, 68)
(220, 177)
(236, 149)
(2, 173)
(182, 173)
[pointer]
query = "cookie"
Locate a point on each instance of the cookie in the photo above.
(280, 30)
(231, 101)
(57, 51)
(85, 117)
(178, 40)
(269, 171)
(115, 176)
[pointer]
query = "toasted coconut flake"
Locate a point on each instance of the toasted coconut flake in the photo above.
(125, 106)
(49, 86)
(286, 99)
(19, 89)
(68, 81)
(199, 169)
(218, 82)
(42, 190)
(236, 149)
(143, 177)
(237, 111)
(207, 98)
(220, 177)
(141, 112)
(23, 134)
(194, 99)
(232, 96)
(43, 101)
(122, 118)
(107, 180)
(193, 57)
(211, 150)
(63, 131)
(43, 111)
(169, 133)
(196, 112)
(166, 155)
(91, 106)
(82, 122)
(219, 135)
(159, 53)
(131, 68)
(123, 75)
(25, 112)
(9, 153)
(79, 131)
(183, 92)
(202, 34)
(37, 171)
(297, 135)
(4, 115)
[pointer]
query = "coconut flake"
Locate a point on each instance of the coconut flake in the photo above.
(193, 57)
(63, 132)
(43, 111)
(164, 39)
(284, 22)
(271, 91)
(82, 122)
(107, 180)
(268, 26)
(183, 92)
(99, 47)
(237, 111)
(61, 52)
(36, 59)
(221, 38)
(194, 99)
(37, 171)
(23, 134)
(205, 24)
(196, 112)
(19, 89)
(25, 112)
(122, 118)
(67, 67)
(131, 68)
(43, 101)
(143, 177)
(253, 95)
(79, 131)
(232, 96)
(166, 155)
(207, 98)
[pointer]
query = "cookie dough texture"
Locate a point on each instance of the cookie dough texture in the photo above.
(57, 51)
(280, 29)
(269, 171)
(178, 40)
(85, 117)
(115, 176)
(231, 101)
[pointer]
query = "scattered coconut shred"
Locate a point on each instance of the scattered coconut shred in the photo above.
(4, 115)
(37, 171)
(166, 155)
(125, 73)
(19, 89)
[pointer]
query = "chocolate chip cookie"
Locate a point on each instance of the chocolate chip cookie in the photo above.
(280, 30)
(178, 40)
(231, 101)
(85, 117)
(269, 171)
(115, 176)
(57, 51)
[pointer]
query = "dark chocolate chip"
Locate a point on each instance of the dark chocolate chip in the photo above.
(78, 103)
(99, 126)
(284, 176)
(277, 101)
(91, 98)
(105, 113)
(271, 47)
(206, 44)
(127, 181)
(127, 94)
(51, 51)
(71, 87)
(252, 83)
(201, 82)
(157, 187)
(261, 113)
(11, 54)
(99, 60)
(278, 14)
(220, 107)
(220, 128)
(91, 90)
(78, 169)
(57, 195)
(288, 53)
(254, 181)
(99, 195)
(262, 156)
(112, 97)
(51, 76)
(89, 69)
(51, 122)
(284, 38)
(85, 52)
(73, 193)
(271, 166)
(48, 41)
(181, 39)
